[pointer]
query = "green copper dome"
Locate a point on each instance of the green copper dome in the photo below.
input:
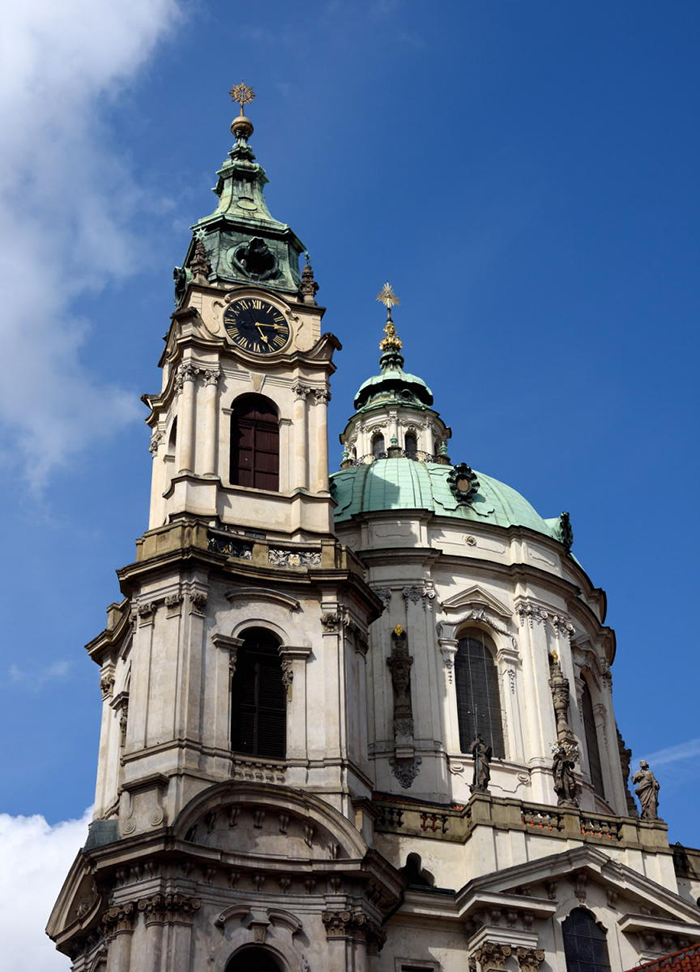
(403, 484)
(393, 385)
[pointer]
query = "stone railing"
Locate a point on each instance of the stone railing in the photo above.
(417, 455)
(252, 551)
(457, 823)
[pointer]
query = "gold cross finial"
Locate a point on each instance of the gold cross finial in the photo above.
(242, 94)
(392, 342)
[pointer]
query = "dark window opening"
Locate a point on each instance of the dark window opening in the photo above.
(478, 698)
(594, 760)
(259, 698)
(253, 959)
(410, 444)
(585, 947)
(255, 443)
(378, 446)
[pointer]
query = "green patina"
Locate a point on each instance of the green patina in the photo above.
(393, 386)
(404, 484)
(240, 218)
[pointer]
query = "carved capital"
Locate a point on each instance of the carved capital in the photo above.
(185, 372)
(301, 390)
(353, 925)
(287, 666)
(198, 600)
(492, 956)
(119, 919)
(321, 396)
(155, 441)
(169, 908)
(529, 959)
(211, 377)
(107, 682)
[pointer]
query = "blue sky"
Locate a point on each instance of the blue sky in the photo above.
(524, 173)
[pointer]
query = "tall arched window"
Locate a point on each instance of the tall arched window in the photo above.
(585, 947)
(378, 448)
(478, 698)
(410, 445)
(253, 958)
(259, 698)
(594, 760)
(255, 451)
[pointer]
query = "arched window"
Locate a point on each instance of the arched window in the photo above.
(585, 948)
(378, 449)
(253, 958)
(255, 450)
(172, 438)
(594, 761)
(478, 698)
(410, 445)
(259, 698)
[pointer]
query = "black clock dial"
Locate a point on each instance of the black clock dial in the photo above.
(256, 326)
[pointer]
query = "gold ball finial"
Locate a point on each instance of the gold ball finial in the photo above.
(392, 342)
(242, 95)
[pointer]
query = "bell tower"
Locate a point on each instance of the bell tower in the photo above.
(233, 773)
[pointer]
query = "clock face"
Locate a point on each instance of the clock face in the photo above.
(256, 326)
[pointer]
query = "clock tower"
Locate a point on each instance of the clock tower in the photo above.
(233, 781)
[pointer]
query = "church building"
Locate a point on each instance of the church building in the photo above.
(351, 722)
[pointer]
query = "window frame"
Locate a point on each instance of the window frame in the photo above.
(465, 633)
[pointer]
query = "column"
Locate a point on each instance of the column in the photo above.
(300, 466)
(211, 422)
(187, 374)
(320, 478)
(118, 922)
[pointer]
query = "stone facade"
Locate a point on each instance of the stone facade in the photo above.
(363, 848)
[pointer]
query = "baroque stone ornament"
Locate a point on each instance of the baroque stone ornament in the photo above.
(168, 908)
(647, 787)
(529, 959)
(565, 785)
(482, 771)
(492, 956)
(308, 287)
(625, 759)
(566, 532)
(399, 663)
(405, 769)
(256, 260)
(294, 558)
(559, 686)
(463, 483)
(231, 548)
(199, 264)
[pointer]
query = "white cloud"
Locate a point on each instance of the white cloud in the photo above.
(674, 754)
(39, 676)
(66, 202)
(34, 861)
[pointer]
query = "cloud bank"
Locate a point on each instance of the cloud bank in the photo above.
(64, 234)
(34, 861)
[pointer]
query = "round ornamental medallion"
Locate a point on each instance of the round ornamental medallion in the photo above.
(463, 483)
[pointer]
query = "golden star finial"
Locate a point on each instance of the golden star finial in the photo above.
(387, 297)
(392, 342)
(242, 94)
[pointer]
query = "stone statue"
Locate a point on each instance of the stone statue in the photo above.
(647, 789)
(482, 772)
(565, 785)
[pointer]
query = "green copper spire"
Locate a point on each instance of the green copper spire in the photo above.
(241, 242)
